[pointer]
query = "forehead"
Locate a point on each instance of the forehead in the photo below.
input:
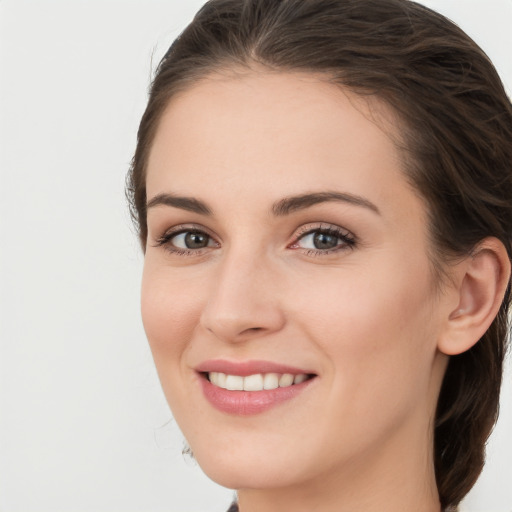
(274, 134)
(274, 100)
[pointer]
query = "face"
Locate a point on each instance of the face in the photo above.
(287, 295)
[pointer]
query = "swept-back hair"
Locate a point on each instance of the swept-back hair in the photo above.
(456, 131)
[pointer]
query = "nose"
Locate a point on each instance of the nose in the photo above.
(243, 301)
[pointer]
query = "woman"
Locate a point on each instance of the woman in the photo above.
(323, 192)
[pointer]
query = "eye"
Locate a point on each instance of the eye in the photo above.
(190, 240)
(323, 240)
(186, 241)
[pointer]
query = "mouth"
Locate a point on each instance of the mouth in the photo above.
(256, 381)
(252, 387)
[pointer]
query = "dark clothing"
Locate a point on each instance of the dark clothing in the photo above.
(233, 507)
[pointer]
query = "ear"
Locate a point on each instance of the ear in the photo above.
(481, 283)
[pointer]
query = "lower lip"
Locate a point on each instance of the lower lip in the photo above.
(246, 403)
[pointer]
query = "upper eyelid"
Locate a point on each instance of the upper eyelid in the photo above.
(322, 226)
(303, 229)
(183, 228)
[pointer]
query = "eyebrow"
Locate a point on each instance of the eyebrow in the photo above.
(281, 208)
(300, 202)
(185, 203)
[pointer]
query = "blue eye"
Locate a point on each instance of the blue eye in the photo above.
(324, 240)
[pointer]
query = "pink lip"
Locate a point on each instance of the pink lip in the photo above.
(245, 403)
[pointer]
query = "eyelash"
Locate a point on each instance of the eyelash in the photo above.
(347, 240)
(165, 240)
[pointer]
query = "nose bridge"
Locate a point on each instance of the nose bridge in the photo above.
(242, 301)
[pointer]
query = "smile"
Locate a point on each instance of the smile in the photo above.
(251, 387)
(255, 382)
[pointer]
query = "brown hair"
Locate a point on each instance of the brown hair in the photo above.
(457, 140)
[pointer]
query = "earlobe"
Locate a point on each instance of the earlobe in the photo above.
(484, 276)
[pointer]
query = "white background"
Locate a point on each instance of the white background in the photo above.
(83, 422)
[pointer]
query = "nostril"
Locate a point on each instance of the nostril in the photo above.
(253, 330)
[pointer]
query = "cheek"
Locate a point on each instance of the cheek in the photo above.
(375, 326)
(170, 312)
(379, 349)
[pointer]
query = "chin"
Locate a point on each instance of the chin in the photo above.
(249, 472)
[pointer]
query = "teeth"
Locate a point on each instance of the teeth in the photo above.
(271, 381)
(253, 382)
(300, 378)
(285, 380)
(234, 382)
(256, 382)
(221, 380)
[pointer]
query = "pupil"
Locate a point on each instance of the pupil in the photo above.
(325, 241)
(196, 240)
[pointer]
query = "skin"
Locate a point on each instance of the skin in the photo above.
(366, 318)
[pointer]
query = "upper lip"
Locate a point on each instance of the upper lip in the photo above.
(245, 368)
